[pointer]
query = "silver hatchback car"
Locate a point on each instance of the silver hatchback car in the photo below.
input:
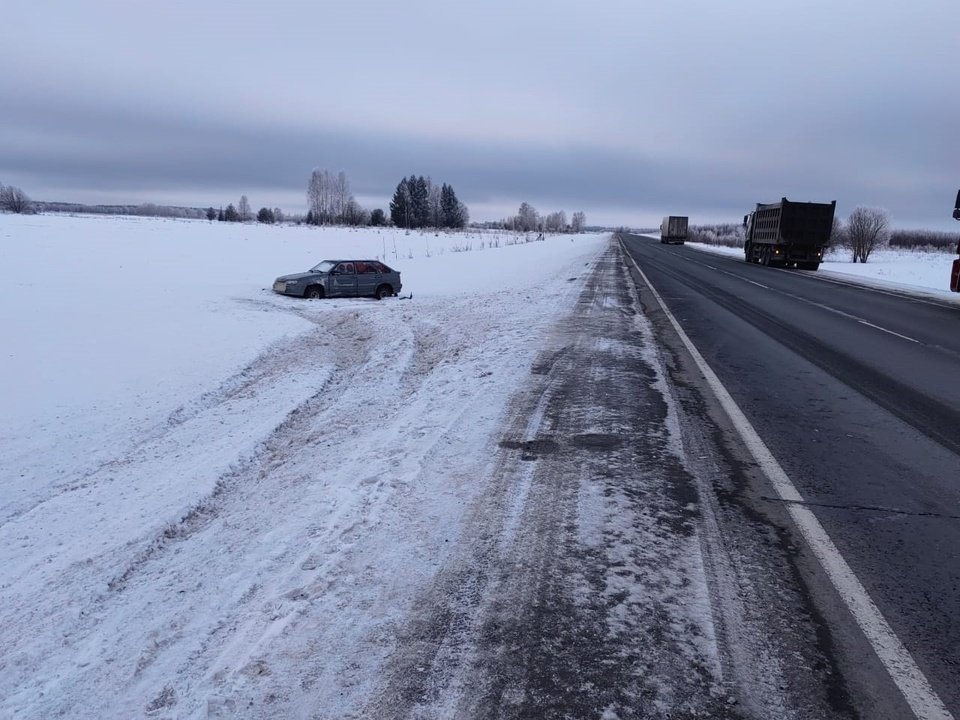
(341, 278)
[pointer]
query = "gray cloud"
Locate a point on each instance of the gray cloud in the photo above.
(622, 110)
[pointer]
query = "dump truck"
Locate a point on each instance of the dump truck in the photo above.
(788, 234)
(673, 229)
(955, 272)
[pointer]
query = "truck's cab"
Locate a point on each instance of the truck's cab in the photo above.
(955, 272)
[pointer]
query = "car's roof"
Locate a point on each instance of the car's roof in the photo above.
(354, 260)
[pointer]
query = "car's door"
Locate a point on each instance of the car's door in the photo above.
(343, 279)
(368, 277)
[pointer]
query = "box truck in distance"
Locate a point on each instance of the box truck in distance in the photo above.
(673, 229)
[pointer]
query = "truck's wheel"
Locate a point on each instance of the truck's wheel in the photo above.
(765, 255)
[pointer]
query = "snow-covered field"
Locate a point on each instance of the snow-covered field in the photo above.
(188, 462)
(153, 387)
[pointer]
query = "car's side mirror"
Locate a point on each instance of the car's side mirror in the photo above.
(334, 272)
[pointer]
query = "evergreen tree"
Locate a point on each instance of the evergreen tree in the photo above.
(231, 214)
(220, 215)
(211, 214)
(378, 217)
(450, 208)
(265, 216)
(400, 206)
(419, 201)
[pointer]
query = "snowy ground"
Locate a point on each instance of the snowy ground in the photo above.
(155, 392)
(208, 491)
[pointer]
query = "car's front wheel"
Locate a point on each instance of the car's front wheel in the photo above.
(383, 291)
(314, 292)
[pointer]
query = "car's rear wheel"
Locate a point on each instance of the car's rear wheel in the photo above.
(383, 291)
(314, 292)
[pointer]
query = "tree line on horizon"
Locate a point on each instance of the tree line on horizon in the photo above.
(242, 213)
(528, 219)
(417, 203)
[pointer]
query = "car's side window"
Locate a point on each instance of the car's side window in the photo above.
(346, 268)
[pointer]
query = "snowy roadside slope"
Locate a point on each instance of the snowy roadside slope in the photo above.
(162, 542)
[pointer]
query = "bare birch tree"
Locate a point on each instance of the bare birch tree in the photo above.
(867, 229)
(243, 209)
(579, 222)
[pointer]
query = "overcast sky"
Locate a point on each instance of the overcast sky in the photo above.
(625, 109)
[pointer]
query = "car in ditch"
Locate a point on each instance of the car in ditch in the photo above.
(341, 278)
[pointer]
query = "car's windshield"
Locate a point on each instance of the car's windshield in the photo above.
(323, 267)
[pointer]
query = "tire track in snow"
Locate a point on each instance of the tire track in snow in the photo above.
(579, 561)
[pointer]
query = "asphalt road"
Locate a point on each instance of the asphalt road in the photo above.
(857, 394)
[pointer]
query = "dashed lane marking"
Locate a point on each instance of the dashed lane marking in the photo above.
(811, 302)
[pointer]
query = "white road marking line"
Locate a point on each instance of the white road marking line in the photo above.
(905, 337)
(816, 304)
(900, 665)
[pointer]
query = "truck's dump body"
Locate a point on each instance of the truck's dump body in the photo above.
(673, 229)
(788, 234)
(796, 223)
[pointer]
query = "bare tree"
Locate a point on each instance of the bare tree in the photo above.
(15, 200)
(462, 216)
(243, 209)
(341, 196)
(867, 229)
(315, 195)
(353, 214)
(555, 222)
(434, 204)
(579, 222)
(838, 234)
(328, 197)
(278, 215)
(527, 218)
